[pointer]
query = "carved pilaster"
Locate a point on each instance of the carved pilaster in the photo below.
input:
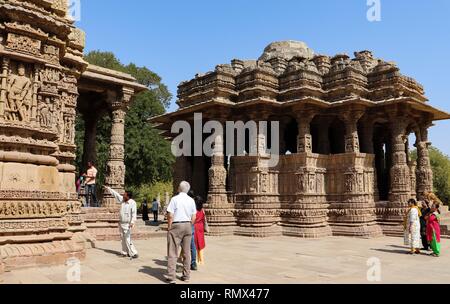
(400, 175)
(218, 209)
(351, 119)
(3, 86)
(412, 171)
(115, 166)
(304, 139)
(424, 172)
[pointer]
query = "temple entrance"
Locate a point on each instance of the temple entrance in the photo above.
(337, 136)
(289, 137)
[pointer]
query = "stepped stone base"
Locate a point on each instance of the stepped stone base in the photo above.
(30, 255)
(103, 225)
(361, 231)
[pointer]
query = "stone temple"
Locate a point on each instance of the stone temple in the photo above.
(44, 83)
(344, 164)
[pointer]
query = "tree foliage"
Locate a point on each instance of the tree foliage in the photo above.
(440, 164)
(148, 158)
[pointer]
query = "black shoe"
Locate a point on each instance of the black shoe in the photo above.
(171, 282)
(194, 267)
(134, 257)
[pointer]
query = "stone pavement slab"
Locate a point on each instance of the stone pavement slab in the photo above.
(233, 259)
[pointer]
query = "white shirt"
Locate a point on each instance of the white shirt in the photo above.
(128, 210)
(182, 207)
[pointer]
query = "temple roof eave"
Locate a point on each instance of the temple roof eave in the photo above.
(164, 121)
(111, 77)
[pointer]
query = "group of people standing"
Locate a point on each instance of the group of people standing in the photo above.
(422, 225)
(187, 225)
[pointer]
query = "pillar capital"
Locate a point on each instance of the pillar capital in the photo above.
(350, 119)
(304, 140)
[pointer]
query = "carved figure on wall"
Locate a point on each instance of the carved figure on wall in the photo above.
(19, 95)
(45, 115)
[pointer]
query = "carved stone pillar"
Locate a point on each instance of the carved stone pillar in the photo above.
(424, 173)
(219, 211)
(304, 139)
(400, 176)
(412, 170)
(351, 119)
(3, 86)
(115, 166)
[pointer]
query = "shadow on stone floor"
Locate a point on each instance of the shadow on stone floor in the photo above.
(397, 251)
(114, 252)
(157, 273)
(160, 262)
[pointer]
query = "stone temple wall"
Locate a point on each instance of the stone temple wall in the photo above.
(40, 62)
(306, 195)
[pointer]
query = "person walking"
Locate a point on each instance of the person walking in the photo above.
(181, 213)
(155, 209)
(91, 179)
(200, 227)
(434, 230)
(145, 211)
(128, 216)
(412, 227)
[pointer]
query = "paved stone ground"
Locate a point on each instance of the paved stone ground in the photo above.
(260, 261)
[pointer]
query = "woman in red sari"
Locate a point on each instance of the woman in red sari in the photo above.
(199, 227)
(434, 230)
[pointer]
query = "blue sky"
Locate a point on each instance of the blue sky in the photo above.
(178, 39)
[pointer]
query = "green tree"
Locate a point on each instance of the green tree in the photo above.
(440, 164)
(147, 155)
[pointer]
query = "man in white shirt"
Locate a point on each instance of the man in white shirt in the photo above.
(181, 214)
(128, 215)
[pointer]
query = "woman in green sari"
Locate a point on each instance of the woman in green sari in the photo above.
(434, 230)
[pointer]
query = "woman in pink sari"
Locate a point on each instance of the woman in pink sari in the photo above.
(434, 230)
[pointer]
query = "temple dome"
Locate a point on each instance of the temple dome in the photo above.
(287, 50)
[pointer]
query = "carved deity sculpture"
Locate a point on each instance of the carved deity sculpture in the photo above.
(45, 115)
(19, 95)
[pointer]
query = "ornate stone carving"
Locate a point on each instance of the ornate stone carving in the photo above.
(19, 95)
